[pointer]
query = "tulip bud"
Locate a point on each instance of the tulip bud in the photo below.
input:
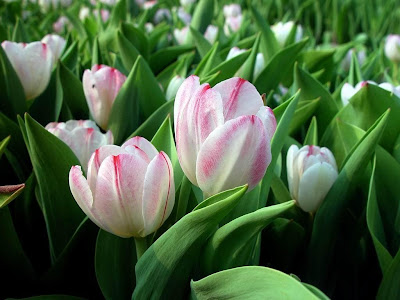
(259, 65)
(360, 54)
(162, 14)
(223, 134)
(129, 190)
(104, 14)
(232, 24)
(60, 24)
(181, 34)
(282, 31)
(392, 48)
(56, 44)
(83, 137)
(33, 63)
(311, 172)
(234, 51)
(173, 87)
(232, 10)
(211, 33)
(101, 86)
(184, 16)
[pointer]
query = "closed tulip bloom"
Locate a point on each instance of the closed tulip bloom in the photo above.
(33, 63)
(56, 44)
(282, 31)
(232, 10)
(311, 172)
(83, 137)
(222, 134)
(392, 48)
(232, 24)
(181, 34)
(101, 86)
(129, 190)
(173, 87)
(211, 33)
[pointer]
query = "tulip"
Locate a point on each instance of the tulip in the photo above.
(282, 31)
(259, 65)
(232, 10)
(104, 14)
(129, 190)
(60, 24)
(83, 137)
(101, 86)
(162, 14)
(232, 24)
(234, 51)
(181, 35)
(149, 4)
(211, 33)
(173, 87)
(183, 16)
(392, 48)
(348, 91)
(222, 134)
(148, 27)
(311, 172)
(360, 54)
(33, 63)
(56, 44)
(187, 2)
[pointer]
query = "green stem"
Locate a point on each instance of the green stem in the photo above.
(395, 73)
(141, 246)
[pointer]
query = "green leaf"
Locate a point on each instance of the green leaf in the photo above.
(389, 287)
(52, 161)
(202, 15)
(153, 123)
(312, 133)
(246, 72)
(164, 269)
(137, 38)
(74, 96)
(155, 36)
(355, 71)
(277, 142)
(115, 265)
(9, 193)
(269, 43)
(118, 14)
(139, 87)
(363, 109)
(163, 140)
(77, 24)
(11, 90)
(208, 61)
(202, 45)
(304, 111)
(96, 53)
(319, 60)
(312, 89)
(280, 190)
(3, 145)
(249, 283)
(279, 67)
(129, 53)
(328, 216)
(19, 34)
(232, 244)
(70, 57)
(162, 58)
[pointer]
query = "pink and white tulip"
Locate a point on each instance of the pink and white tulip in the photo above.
(33, 63)
(101, 85)
(232, 10)
(222, 134)
(56, 44)
(181, 34)
(184, 16)
(211, 33)
(392, 48)
(129, 190)
(348, 91)
(83, 137)
(311, 172)
(60, 24)
(232, 24)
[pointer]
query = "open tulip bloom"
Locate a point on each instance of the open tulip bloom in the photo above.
(129, 190)
(223, 134)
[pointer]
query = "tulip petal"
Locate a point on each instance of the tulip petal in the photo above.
(346, 93)
(292, 174)
(233, 154)
(197, 114)
(267, 116)
(315, 184)
(158, 194)
(119, 191)
(143, 144)
(239, 97)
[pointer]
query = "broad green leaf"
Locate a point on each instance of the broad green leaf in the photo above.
(118, 14)
(319, 60)
(179, 67)
(115, 265)
(247, 70)
(279, 189)
(367, 105)
(208, 62)
(355, 71)
(132, 103)
(159, 31)
(312, 133)
(19, 34)
(137, 38)
(277, 142)
(312, 89)
(52, 161)
(70, 57)
(164, 269)
(73, 94)
(77, 24)
(129, 53)
(279, 68)
(96, 53)
(232, 244)
(162, 58)
(11, 91)
(153, 123)
(202, 45)
(389, 287)
(327, 218)
(250, 283)
(163, 140)
(202, 15)
(304, 111)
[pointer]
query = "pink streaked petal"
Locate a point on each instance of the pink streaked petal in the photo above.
(118, 195)
(233, 154)
(267, 116)
(97, 159)
(196, 120)
(143, 144)
(239, 98)
(158, 194)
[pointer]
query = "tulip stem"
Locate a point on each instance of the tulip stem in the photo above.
(141, 246)
(395, 73)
